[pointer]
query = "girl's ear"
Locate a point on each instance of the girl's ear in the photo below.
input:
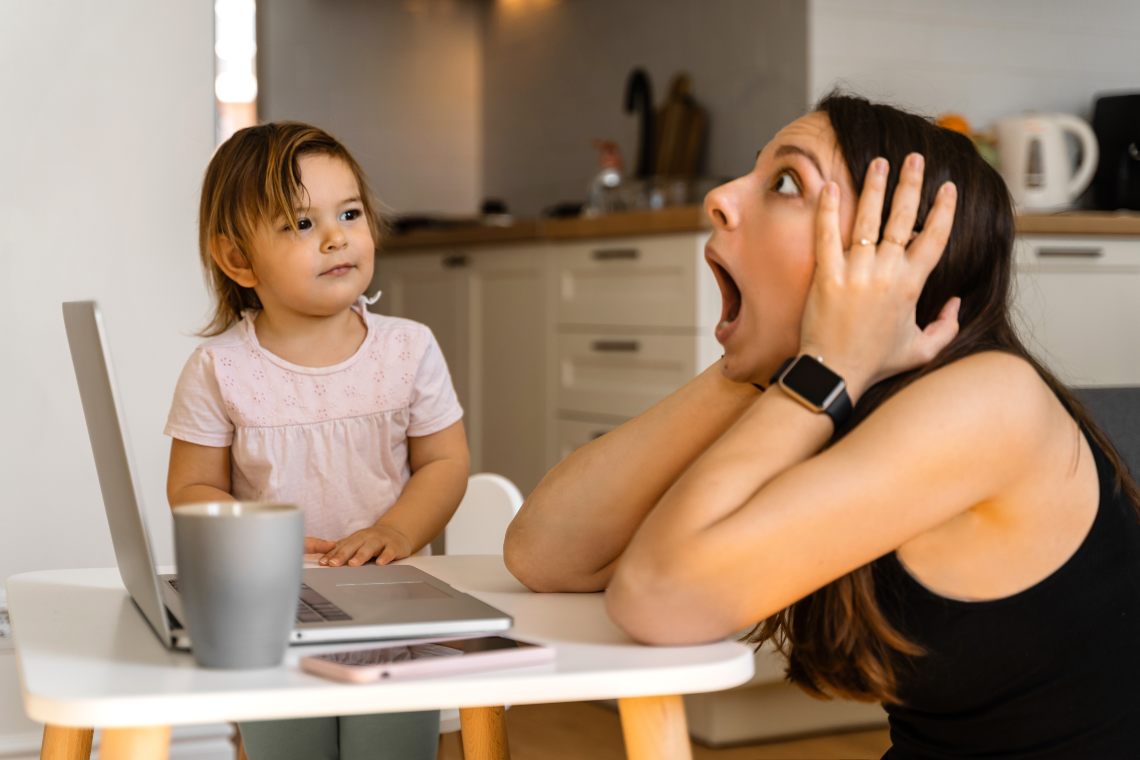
(233, 262)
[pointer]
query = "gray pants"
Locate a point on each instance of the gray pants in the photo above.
(384, 736)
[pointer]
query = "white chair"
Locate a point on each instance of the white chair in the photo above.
(479, 526)
(480, 522)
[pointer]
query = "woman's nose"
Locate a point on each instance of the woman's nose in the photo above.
(720, 205)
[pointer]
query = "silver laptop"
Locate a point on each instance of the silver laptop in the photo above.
(335, 604)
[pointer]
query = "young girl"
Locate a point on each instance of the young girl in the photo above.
(963, 545)
(302, 395)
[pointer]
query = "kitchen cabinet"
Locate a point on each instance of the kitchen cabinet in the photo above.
(633, 321)
(1077, 303)
(486, 307)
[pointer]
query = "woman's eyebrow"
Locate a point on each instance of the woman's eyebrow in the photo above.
(785, 150)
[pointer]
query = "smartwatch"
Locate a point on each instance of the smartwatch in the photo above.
(807, 380)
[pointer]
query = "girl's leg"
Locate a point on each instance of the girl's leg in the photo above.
(389, 736)
(297, 739)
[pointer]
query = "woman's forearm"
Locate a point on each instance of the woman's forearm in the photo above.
(577, 522)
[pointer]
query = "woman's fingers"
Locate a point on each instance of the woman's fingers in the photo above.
(938, 334)
(869, 211)
(828, 241)
(904, 205)
(928, 246)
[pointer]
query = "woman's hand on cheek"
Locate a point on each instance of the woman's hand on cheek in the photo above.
(860, 310)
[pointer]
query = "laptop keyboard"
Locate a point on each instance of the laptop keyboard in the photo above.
(311, 606)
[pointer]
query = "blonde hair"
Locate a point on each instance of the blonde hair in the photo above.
(253, 179)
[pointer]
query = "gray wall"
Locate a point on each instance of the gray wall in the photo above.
(398, 82)
(554, 77)
(108, 124)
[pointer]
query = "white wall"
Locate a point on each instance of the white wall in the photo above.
(107, 126)
(398, 82)
(981, 58)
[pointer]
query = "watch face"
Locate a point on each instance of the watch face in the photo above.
(812, 381)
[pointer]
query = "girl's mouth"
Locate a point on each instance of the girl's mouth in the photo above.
(337, 271)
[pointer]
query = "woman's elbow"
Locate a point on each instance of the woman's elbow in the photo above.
(655, 605)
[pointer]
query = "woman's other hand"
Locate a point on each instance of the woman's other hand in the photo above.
(380, 542)
(860, 310)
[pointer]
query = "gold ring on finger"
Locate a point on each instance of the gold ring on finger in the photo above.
(892, 240)
(865, 241)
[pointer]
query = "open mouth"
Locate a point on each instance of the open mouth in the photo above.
(729, 293)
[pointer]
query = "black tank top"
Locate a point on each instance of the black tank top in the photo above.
(1050, 672)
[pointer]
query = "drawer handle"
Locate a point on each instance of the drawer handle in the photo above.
(624, 346)
(616, 254)
(1070, 253)
(455, 261)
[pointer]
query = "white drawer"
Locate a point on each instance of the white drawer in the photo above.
(574, 433)
(655, 282)
(1063, 253)
(621, 375)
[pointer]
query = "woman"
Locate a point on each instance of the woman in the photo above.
(962, 546)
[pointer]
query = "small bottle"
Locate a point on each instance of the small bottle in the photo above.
(604, 194)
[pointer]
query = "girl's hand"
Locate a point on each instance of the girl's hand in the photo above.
(382, 542)
(860, 311)
(314, 545)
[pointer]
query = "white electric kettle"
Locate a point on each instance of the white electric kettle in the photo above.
(1035, 160)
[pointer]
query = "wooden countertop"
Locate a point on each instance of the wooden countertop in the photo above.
(1080, 223)
(674, 219)
(692, 219)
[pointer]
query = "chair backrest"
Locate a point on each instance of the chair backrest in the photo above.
(479, 524)
(1117, 411)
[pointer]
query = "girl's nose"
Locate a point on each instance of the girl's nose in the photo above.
(334, 240)
(720, 205)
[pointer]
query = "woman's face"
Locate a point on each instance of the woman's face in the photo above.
(762, 248)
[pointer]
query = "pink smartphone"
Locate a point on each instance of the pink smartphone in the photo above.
(414, 660)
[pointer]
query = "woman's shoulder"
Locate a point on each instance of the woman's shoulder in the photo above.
(992, 396)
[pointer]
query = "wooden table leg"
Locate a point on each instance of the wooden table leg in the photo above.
(145, 743)
(62, 743)
(655, 728)
(484, 733)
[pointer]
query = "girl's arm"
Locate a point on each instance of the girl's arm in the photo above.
(440, 464)
(573, 528)
(197, 473)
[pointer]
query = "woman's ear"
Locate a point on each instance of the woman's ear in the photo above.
(233, 262)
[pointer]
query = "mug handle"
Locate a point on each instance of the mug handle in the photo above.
(1090, 152)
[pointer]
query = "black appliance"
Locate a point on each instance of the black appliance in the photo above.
(1116, 121)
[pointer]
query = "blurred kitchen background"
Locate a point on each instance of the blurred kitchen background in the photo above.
(477, 122)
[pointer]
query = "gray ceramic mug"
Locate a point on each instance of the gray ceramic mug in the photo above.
(239, 574)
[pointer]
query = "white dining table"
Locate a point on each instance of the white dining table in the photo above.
(88, 660)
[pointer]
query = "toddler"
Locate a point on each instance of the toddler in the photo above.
(302, 395)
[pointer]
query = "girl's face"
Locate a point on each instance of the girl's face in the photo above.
(323, 266)
(762, 249)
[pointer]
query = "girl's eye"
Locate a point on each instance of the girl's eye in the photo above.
(785, 184)
(304, 224)
(351, 214)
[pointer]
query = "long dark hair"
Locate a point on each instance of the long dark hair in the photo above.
(837, 640)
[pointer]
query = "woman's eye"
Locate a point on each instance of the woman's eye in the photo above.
(785, 184)
(351, 214)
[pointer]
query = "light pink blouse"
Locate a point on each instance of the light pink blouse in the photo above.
(331, 439)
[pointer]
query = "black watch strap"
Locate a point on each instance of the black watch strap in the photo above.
(840, 408)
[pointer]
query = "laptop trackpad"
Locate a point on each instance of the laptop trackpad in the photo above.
(379, 591)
